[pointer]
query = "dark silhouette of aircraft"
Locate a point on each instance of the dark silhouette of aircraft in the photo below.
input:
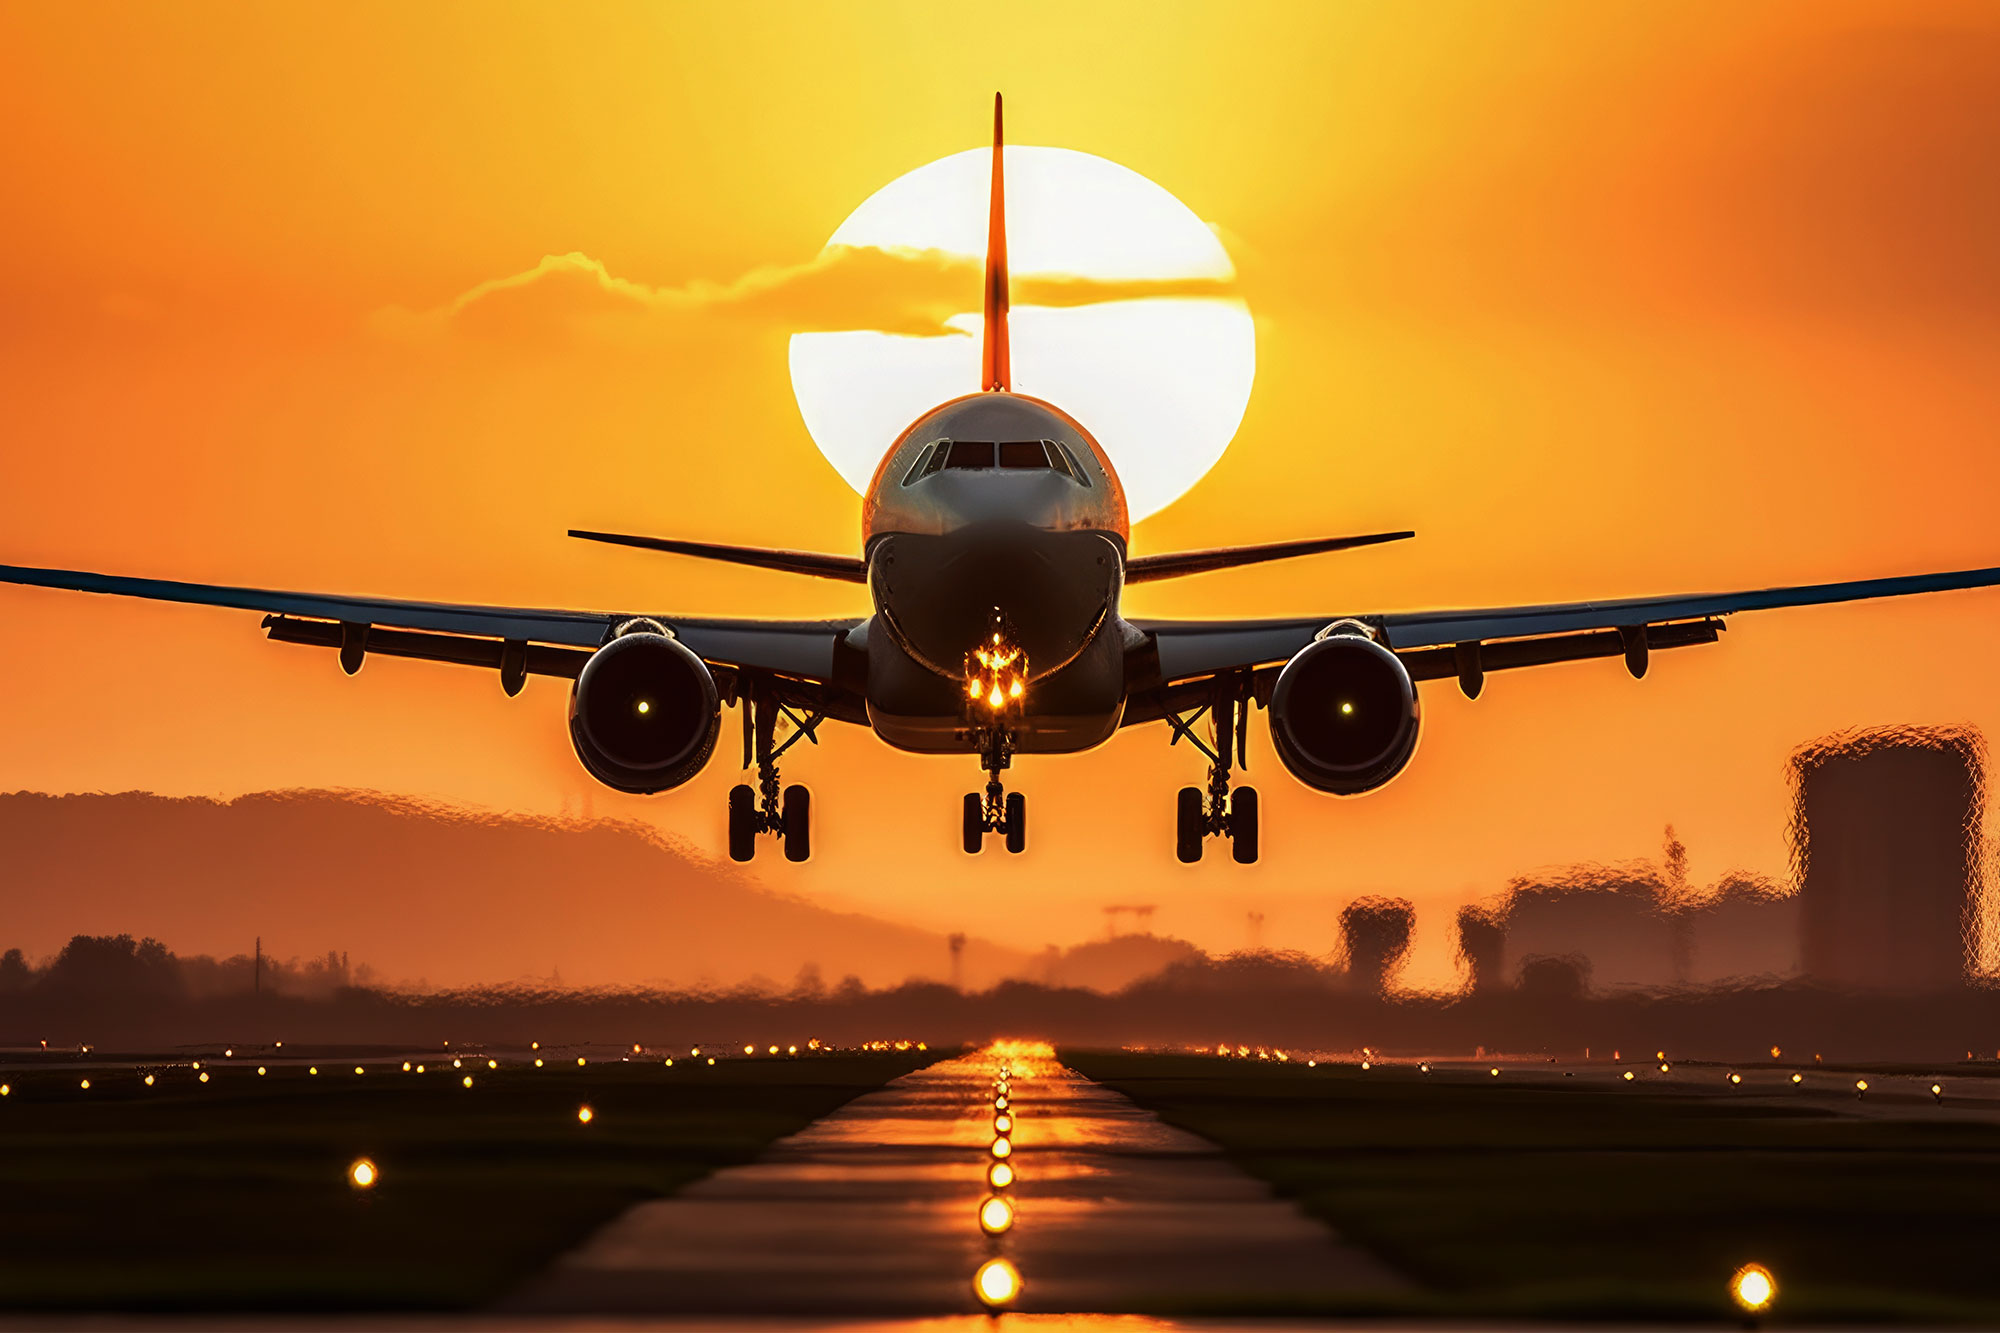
(994, 547)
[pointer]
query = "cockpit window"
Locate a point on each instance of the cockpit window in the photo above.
(1047, 455)
(970, 453)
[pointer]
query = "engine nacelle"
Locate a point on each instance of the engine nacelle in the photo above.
(1344, 713)
(644, 714)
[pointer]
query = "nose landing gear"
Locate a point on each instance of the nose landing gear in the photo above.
(785, 812)
(1218, 812)
(997, 810)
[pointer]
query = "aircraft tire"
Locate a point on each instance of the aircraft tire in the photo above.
(975, 823)
(1188, 829)
(798, 823)
(1017, 822)
(742, 823)
(1243, 830)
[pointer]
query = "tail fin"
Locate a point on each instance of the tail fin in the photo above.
(996, 370)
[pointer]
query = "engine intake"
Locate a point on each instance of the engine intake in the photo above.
(645, 713)
(1344, 714)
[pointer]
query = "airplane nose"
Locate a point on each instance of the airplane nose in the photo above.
(1053, 589)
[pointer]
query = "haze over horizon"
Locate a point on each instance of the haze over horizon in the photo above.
(1599, 303)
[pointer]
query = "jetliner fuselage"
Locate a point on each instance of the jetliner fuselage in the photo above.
(995, 523)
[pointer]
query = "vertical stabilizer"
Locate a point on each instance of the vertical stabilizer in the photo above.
(996, 372)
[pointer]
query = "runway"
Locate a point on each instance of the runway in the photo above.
(871, 1212)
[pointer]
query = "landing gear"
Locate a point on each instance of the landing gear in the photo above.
(762, 809)
(996, 679)
(996, 810)
(1218, 812)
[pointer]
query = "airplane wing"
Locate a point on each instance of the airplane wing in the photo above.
(517, 641)
(1467, 643)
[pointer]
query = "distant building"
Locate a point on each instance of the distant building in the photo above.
(1744, 930)
(1886, 846)
(1612, 920)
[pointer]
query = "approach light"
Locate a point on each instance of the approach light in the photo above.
(1423, 1068)
(1003, 1147)
(1666, 1068)
(420, 1069)
(313, 1069)
(362, 1174)
(774, 1050)
(1775, 1052)
(457, 1063)
(7, 1089)
(669, 1062)
(996, 1283)
(635, 1048)
(579, 1062)
(538, 1062)
(492, 1064)
(149, 1083)
(1495, 1071)
(1937, 1091)
(789, 1050)
(1753, 1288)
(357, 1069)
(203, 1076)
(995, 1215)
(467, 1080)
(406, 1066)
(85, 1085)
(1798, 1078)
(195, 1065)
(534, 1046)
(749, 1050)
(1366, 1066)
(229, 1053)
(711, 1059)
(999, 1175)
(1860, 1086)
(584, 1115)
(1003, 1123)
(1628, 1076)
(1736, 1078)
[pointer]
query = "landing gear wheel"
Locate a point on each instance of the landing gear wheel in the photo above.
(798, 823)
(742, 823)
(1017, 822)
(975, 823)
(1243, 825)
(1190, 825)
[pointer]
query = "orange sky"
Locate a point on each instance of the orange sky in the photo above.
(1602, 300)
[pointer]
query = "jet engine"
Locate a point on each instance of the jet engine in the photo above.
(1344, 712)
(644, 714)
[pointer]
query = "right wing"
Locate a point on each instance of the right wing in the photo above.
(517, 641)
(1466, 643)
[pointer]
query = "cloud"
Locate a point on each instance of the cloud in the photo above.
(908, 292)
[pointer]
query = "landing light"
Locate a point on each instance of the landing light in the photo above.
(644, 707)
(1347, 710)
(996, 1283)
(995, 1215)
(1753, 1288)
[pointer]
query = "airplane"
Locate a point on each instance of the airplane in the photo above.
(995, 549)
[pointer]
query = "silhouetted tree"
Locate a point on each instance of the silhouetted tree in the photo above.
(113, 965)
(1375, 939)
(15, 974)
(1674, 857)
(1482, 947)
(1545, 978)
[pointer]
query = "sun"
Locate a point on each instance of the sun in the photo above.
(1161, 382)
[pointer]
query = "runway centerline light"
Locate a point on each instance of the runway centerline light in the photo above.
(468, 1080)
(1003, 1123)
(362, 1174)
(995, 1215)
(996, 1283)
(584, 1115)
(1628, 1076)
(1753, 1288)
(1000, 1175)
(204, 1077)
(1003, 1148)
(1798, 1078)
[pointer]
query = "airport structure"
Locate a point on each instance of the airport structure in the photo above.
(1886, 844)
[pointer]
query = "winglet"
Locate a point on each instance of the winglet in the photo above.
(996, 371)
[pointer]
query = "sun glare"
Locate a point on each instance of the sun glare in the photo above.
(1161, 382)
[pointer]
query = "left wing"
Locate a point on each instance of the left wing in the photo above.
(1467, 643)
(517, 641)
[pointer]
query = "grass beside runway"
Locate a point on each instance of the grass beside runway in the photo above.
(233, 1194)
(1532, 1196)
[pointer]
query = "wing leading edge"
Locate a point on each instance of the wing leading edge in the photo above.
(1189, 649)
(470, 634)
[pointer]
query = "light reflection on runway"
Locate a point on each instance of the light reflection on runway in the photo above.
(873, 1211)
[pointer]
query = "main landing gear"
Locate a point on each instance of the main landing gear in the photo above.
(762, 810)
(1218, 812)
